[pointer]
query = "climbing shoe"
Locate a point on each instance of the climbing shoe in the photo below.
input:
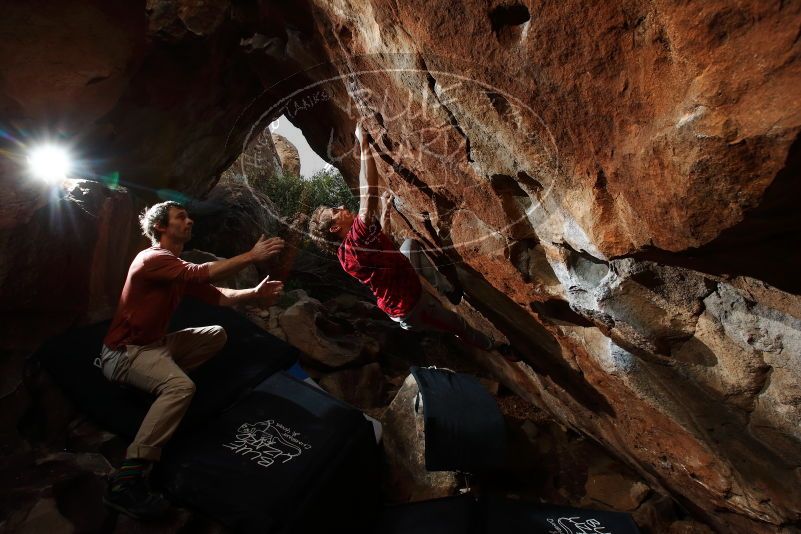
(455, 295)
(508, 352)
(134, 497)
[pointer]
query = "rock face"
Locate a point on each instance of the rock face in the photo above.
(615, 184)
(327, 341)
(68, 263)
(362, 387)
(232, 218)
(256, 164)
(288, 154)
(404, 445)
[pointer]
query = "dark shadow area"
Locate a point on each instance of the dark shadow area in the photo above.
(508, 15)
(499, 103)
(249, 356)
(766, 245)
(539, 348)
(695, 352)
(507, 22)
(503, 184)
(320, 275)
(533, 185)
(559, 311)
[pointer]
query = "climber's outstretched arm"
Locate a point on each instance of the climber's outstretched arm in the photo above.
(369, 205)
(386, 212)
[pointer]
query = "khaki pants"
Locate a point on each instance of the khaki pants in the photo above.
(412, 249)
(158, 369)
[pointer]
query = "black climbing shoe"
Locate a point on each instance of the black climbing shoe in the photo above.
(455, 295)
(135, 498)
(508, 352)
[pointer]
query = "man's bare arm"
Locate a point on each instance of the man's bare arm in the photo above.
(266, 293)
(368, 179)
(222, 269)
(386, 213)
(262, 250)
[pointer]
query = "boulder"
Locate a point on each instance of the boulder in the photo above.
(326, 340)
(404, 446)
(257, 164)
(362, 387)
(608, 486)
(288, 154)
(45, 517)
(689, 527)
(231, 220)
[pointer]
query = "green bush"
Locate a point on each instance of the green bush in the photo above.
(292, 194)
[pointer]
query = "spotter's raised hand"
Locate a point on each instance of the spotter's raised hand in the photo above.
(265, 249)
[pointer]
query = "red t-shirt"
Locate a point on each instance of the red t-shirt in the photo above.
(157, 280)
(370, 256)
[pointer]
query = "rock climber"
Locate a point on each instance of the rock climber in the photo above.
(362, 244)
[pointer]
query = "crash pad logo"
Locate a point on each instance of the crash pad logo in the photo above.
(267, 442)
(572, 525)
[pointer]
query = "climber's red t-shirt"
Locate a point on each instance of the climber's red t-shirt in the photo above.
(157, 280)
(370, 256)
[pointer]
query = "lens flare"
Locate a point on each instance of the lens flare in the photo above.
(50, 163)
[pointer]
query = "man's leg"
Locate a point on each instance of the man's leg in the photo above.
(154, 371)
(192, 347)
(412, 250)
(422, 264)
(151, 369)
(159, 370)
(431, 314)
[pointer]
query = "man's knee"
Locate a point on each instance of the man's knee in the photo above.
(409, 247)
(219, 337)
(180, 387)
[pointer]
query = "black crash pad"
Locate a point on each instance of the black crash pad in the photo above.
(464, 429)
(287, 457)
(510, 516)
(249, 356)
(498, 515)
(450, 515)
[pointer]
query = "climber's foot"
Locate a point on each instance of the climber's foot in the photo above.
(508, 352)
(455, 295)
(135, 498)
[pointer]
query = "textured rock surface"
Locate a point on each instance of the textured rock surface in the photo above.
(231, 219)
(617, 184)
(362, 387)
(288, 154)
(404, 445)
(614, 174)
(68, 263)
(325, 339)
(256, 164)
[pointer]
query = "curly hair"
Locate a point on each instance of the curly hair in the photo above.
(156, 214)
(320, 231)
